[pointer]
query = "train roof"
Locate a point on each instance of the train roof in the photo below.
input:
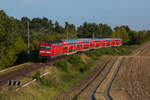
(69, 41)
(73, 41)
(98, 39)
(84, 39)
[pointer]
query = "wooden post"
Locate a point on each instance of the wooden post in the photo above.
(28, 32)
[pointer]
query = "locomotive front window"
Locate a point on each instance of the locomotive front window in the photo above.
(48, 47)
(42, 47)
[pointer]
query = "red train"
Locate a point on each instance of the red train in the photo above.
(53, 49)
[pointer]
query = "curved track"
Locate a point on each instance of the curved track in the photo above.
(106, 92)
(101, 90)
(91, 95)
(77, 95)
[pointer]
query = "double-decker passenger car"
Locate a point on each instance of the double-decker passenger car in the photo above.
(53, 49)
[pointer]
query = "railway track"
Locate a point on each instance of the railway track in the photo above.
(16, 74)
(91, 95)
(99, 79)
(100, 71)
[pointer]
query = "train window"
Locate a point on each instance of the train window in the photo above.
(65, 48)
(70, 50)
(48, 47)
(86, 47)
(107, 44)
(42, 47)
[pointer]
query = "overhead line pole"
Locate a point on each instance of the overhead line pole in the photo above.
(28, 31)
(67, 33)
(93, 35)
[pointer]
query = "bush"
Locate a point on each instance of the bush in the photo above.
(62, 65)
(50, 81)
(76, 60)
(37, 76)
(102, 51)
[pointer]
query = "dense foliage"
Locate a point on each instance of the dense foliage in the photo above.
(13, 36)
(62, 65)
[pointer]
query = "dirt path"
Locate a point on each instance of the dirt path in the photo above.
(102, 92)
(87, 94)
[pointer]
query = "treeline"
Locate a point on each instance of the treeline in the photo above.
(13, 36)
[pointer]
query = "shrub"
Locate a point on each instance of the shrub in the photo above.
(37, 75)
(75, 60)
(50, 81)
(62, 65)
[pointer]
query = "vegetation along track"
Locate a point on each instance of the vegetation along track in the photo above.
(13, 75)
(74, 92)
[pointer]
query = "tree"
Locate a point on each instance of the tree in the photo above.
(70, 28)
(58, 28)
(11, 42)
(36, 24)
(99, 30)
(24, 20)
(51, 26)
(44, 23)
(120, 32)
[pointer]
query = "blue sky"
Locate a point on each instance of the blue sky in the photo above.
(134, 13)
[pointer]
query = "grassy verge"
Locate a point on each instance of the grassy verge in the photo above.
(64, 75)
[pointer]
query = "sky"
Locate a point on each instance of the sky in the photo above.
(134, 13)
